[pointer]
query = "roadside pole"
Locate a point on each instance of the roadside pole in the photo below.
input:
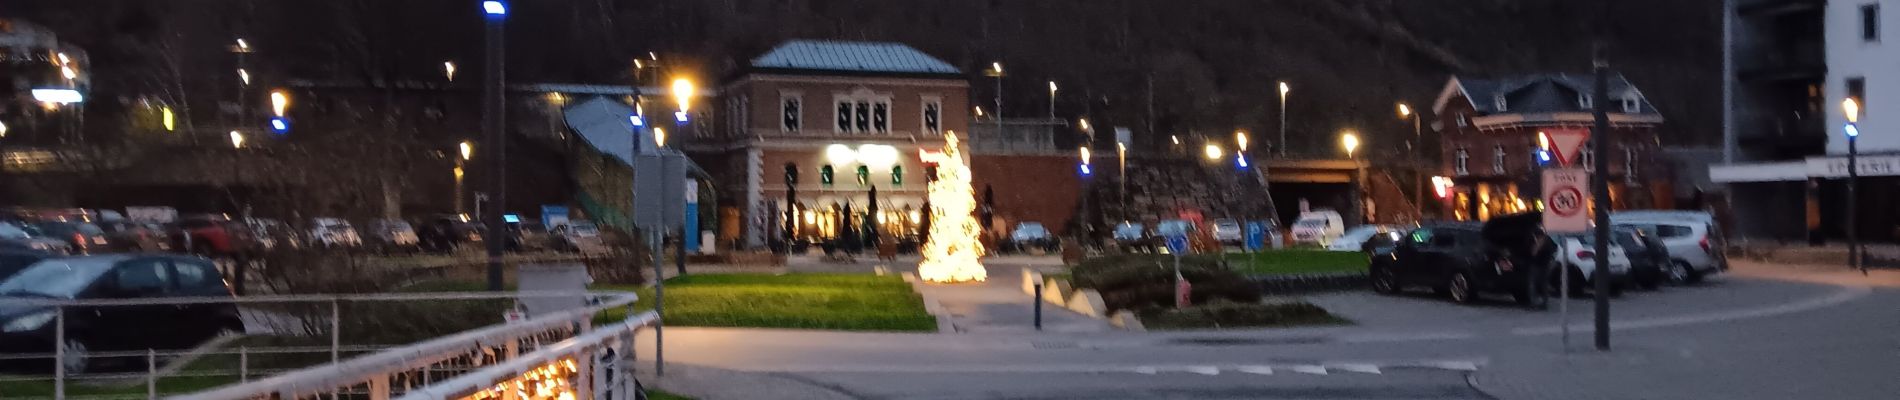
(654, 241)
(1038, 300)
(1599, 186)
(1178, 244)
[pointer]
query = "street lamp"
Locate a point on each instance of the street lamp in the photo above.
(494, 78)
(278, 102)
(237, 140)
(1852, 131)
(1418, 166)
(1087, 161)
(1213, 151)
(448, 70)
(1283, 90)
(1349, 141)
(683, 93)
(244, 76)
(1240, 140)
(468, 151)
(1052, 100)
(995, 71)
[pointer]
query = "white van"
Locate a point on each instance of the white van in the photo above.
(1319, 227)
(1693, 238)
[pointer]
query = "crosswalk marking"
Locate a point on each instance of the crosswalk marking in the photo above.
(1360, 368)
(1308, 369)
(1255, 369)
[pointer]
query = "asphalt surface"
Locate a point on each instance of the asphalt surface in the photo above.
(1745, 336)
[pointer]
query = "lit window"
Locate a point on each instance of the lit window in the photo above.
(897, 175)
(825, 175)
(864, 175)
(1464, 159)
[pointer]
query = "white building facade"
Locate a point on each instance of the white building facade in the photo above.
(1863, 62)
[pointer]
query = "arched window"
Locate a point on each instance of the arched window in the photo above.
(825, 175)
(897, 175)
(864, 175)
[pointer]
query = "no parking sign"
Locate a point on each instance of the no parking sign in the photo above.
(1566, 202)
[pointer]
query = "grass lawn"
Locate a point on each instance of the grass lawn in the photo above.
(1238, 315)
(852, 302)
(1297, 262)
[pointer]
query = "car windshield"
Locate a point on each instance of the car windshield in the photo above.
(1310, 222)
(1031, 228)
(58, 278)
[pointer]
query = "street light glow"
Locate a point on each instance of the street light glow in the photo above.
(1240, 138)
(165, 114)
(979, 111)
(468, 149)
(58, 96)
(68, 72)
(1350, 141)
(494, 7)
(448, 69)
(3, 129)
(1084, 122)
(1213, 151)
(237, 140)
(1284, 88)
(63, 60)
(683, 92)
(1175, 138)
(1052, 87)
(244, 76)
(1543, 140)
(1405, 111)
(659, 137)
(243, 45)
(1852, 109)
(996, 67)
(278, 102)
(1087, 158)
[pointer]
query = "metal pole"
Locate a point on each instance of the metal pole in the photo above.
(659, 303)
(999, 107)
(1599, 186)
(1853, 206)
(492, 128)
(1728, 82)
(1563, 306)
(1418, 168)
(1038, 301)
(59, 352)
(336, 330)
(1282, 143)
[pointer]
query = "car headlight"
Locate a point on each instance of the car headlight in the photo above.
(28, 322)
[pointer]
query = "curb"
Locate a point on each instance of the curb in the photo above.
(931, 305)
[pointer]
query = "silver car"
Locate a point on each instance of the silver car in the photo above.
(1694, 241)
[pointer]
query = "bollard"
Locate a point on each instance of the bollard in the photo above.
(1038, 301)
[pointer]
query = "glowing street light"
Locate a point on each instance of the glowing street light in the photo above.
(1350, 142)
(63, 60)
(1240, 139)
(1283, 91)
(659, 137)
(237, 140)
(1213, 151)
(244, 76)
(448, 70)
(278, 102)
(683, 93)
(1405, 111)
(468, 150)
(3, 129)
(494, 8)
(1852, 109)
(68, 72)
(243, 46)
(165, 114)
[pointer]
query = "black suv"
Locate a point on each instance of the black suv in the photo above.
(1463, 260)
(28, 327)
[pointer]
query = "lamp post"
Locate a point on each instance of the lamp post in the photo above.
(995, 71)
(1052, 100)
(1418, 167)
(467, 152)
(1852, 109)
(495, 14)
(448, 70)
(1283, 90)
(1349, 141)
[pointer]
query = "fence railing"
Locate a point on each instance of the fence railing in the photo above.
(428, 361)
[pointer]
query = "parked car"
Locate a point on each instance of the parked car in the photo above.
(136, 237)
(12, 261)
(447, 233)
(1031, 235)
(1365, 238)
(1174, 227)
(1694, 240)
(333, 233)
(85, 237)
(1133, 236)
(393, 235)
(1459, 260)
(271, 234)
(580, 237)
(21, 236)
(1227, 231)
(1649, 257)
(29, 328)
(214, 235)
(530, 236)
(1577, 254)
(1319, 227)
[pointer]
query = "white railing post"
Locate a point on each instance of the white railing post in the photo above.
(244, 364)
(336, 330)
(151, 374)
(379, 387)
(59, 352)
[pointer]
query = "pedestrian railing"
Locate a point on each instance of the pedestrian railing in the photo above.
(375, 367)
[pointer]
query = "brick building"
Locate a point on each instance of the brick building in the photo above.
(1489, 131)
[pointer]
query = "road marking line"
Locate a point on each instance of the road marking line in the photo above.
(1360, 368)
(1209, 371)
(1405, 337)
(1454, 365)
(1308, 369)
(1255, 369)
(1146, 370)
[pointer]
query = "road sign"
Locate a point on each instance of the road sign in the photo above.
(1566, 202)
(1177, 244)
(1567, 144)
(1256, 235)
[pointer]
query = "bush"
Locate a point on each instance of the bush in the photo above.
(1129, 282)
(1222, 314)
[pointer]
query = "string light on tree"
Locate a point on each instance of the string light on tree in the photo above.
(951, 255)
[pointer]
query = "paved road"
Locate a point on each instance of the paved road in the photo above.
(1759, 336)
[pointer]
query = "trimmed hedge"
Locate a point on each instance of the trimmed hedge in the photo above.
(1137, 281)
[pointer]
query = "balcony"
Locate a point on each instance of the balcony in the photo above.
(1779, 137)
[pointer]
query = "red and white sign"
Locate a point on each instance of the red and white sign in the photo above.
(1566, 144)
(1566, 200)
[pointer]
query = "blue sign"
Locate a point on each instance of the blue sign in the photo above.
(1256, 235)
(1177, 244)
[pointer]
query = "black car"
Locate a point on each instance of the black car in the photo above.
(444, 234)
(1647, 254)
(27, 327)
(85, 237)
(1463, 260)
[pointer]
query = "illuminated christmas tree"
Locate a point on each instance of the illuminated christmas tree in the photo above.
(951, 253)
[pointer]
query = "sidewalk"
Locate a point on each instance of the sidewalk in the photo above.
(999, 304)
(1834, 274)
(708, 383)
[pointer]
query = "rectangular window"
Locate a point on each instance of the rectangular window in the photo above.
(1498, 101)
(1585, 102)
(790, 107)
(864, 116)
(1857, 90)
(881, 117)
(844, 116)
(933, 114)
(1870, 23)
(1497, 159)
(1463, 161)
(1631, 104)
